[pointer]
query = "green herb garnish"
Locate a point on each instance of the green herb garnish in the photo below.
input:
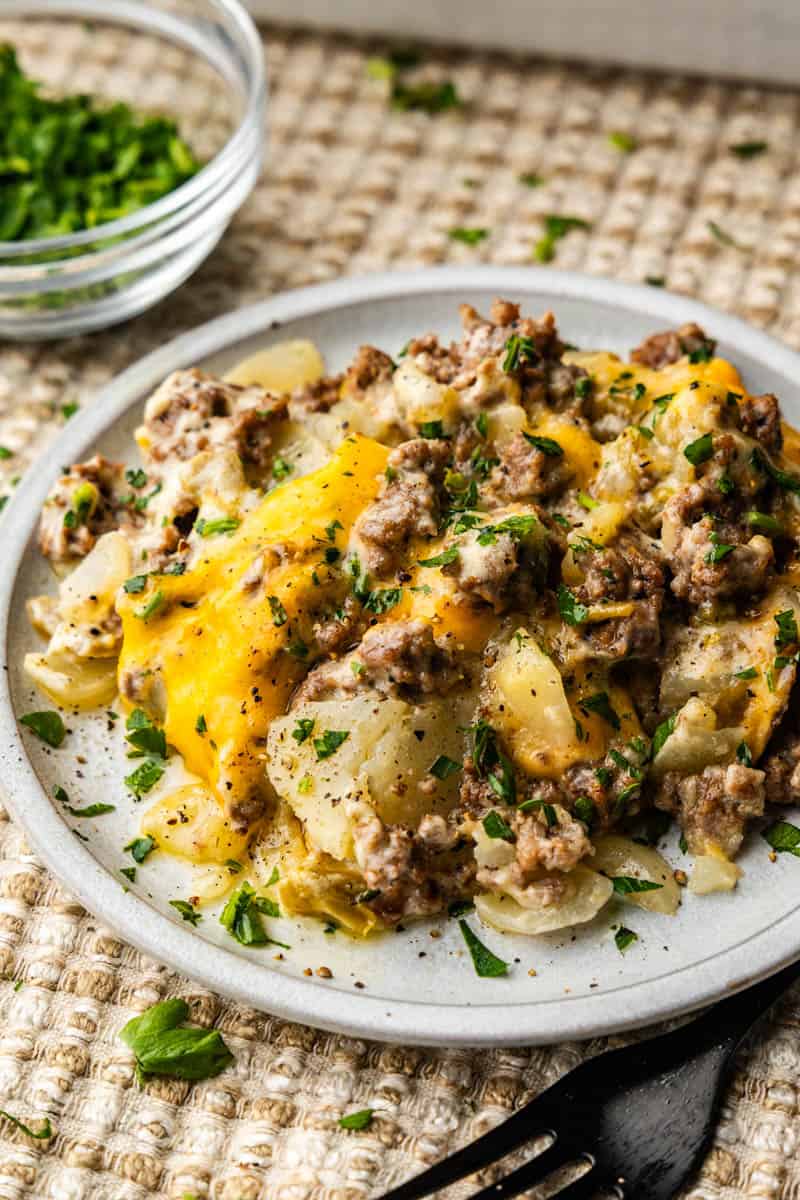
(629, 885)
(187, 911)
(625, 142)
(625, 938)
(218, 525)
(469, 236)
(47, 726)
(600, 703)
(700, 450)
(486, 964)
(329, 742)
(144, 778)
(444, 767)
(140, 848)
(241, 917)
(547, 445)
(518, 350)
(73, 163)
(748, 149)
(571, 610)
(429, 97)
(441, 560)
(279, 614)
(555, 228)
(47, 1130)
(783, 836)
(303, 729)
(91, 810)
(164, 1046)
(495, 827)
(357, 1120)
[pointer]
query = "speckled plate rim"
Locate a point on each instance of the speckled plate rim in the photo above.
(223, 971)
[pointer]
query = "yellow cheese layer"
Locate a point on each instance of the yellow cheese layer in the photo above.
(219, 647)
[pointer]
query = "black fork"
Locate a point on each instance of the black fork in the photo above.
(639, 1118)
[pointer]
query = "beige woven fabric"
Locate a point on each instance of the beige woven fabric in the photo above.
(352, 186)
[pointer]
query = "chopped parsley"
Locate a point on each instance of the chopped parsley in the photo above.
(279, 614)
(218, 525)
(764, 523)
(744, 755)
(144, 778)
(746, 673)
(357, 1120)
(200, 725)
(45, 1132)
(140, 848)
(281, 468)
(241, 916)
(134, 585)
(91, 810)
(629, 885)
(547, 445)
(600, 703)
(700, 450)
(586, 501)
(129, 873)
(531, 179)
(721, 236)
(163, 1045)
(556, 227)
(151, 607)
(458, 908)
(662, 732)
(749, 149)
(491, 763)
(486, 964)
(787, 628)
(624, 938)
(144, 736)
(518, 350)
(433, 430)
(585, 810)
(783, 837)
(428, 96)
(571, 610)
(719, 549)
(74, 162)
(495, 827)
(303, 730)
(517, 527)
(469, 236)
(382, 600)
(187, 911)
(47, 726)
(329, 742)
(784, 479)
(625, 142)
(441, 560)
(548, 811)
(443, 767)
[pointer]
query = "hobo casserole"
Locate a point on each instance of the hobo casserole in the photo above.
(469, 623)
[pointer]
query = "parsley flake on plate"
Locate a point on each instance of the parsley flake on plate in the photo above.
(624, 938)
(783, 837)
(47, 726)
(487, 965)
(187, 911)
(357, 1120)
(629, 885)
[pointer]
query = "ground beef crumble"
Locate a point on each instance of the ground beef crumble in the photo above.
(662, 349)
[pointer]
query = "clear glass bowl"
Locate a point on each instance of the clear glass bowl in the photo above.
(199, 61)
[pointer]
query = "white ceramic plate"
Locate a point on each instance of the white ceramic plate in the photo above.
(416, 988)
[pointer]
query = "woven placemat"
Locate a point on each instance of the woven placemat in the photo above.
(353, 186)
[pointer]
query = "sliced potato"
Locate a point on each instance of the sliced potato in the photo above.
(696, 742)
(387, 754)
(587, 892)
(189, 823)
(73, 682)
(620, 856)
(420, 398)
(280, 368)
(527, 704)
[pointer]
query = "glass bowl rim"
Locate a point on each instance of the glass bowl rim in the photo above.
(129, 13)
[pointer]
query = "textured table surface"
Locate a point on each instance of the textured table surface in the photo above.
(352, 186)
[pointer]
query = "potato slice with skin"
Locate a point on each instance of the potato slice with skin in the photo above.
(587, 892)
(280, 368)
(620, 856)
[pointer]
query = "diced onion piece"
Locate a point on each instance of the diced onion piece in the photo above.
(73, 682)
(280, 368)
(713, 873)
(587, 892)
(618, 856)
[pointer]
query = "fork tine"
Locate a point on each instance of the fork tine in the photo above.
(536, 1170)
(489, 1148)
